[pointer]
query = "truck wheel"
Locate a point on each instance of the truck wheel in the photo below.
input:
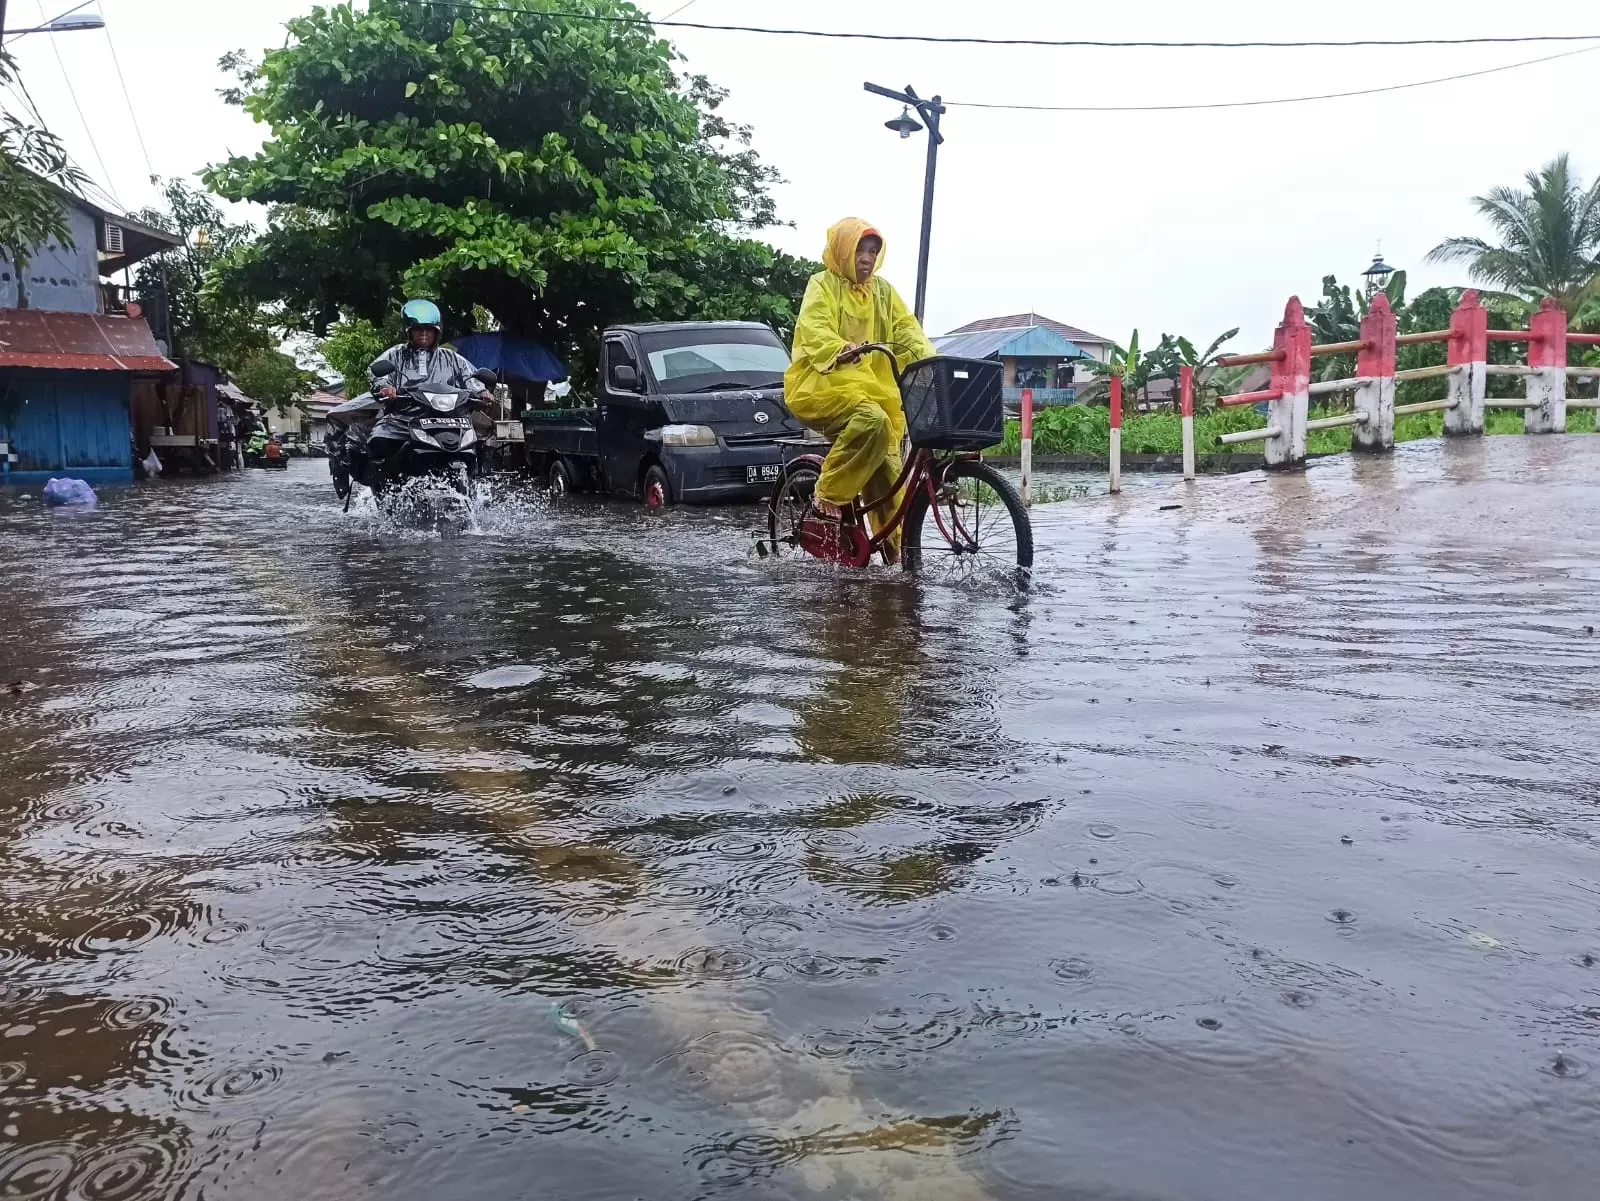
(561, 479)
(657, 488)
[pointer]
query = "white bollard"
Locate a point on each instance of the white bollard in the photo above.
(1027, 446)
(1186, 400)
(1116, 433)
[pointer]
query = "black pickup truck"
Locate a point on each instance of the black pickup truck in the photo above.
(687, 413)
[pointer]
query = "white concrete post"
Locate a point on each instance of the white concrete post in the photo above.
(1547, 389)
(1375, 398)
(1469, 385)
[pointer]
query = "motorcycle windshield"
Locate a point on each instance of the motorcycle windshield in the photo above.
(443, 402)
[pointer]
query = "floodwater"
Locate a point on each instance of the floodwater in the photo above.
(1252, 857)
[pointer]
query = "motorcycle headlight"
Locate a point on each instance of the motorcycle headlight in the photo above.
(426, 439)
(684, 435)
(442, 402)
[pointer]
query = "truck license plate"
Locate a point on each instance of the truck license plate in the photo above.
(766, 473)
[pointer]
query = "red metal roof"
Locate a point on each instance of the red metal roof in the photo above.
(1027, 320)
(78, 342)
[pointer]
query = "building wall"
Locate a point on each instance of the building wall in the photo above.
(292, 422)
(60, 279)
(66, 423)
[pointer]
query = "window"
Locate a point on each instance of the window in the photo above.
(729, 360)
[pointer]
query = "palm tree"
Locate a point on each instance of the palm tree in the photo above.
(1549, 238)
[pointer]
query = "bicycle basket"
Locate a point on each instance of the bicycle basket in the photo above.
(953, 404)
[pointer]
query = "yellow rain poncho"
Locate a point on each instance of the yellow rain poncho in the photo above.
(857, 404)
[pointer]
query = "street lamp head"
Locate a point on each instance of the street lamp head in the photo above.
(76, 21)
(905, 124)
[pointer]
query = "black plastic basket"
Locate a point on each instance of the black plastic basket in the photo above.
(954, 404)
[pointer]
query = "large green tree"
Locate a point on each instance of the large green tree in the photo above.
(208, 320)
(1549, 238)
(33, 169)
(559, 173)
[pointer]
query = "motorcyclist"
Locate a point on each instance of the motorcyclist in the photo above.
(420, 363)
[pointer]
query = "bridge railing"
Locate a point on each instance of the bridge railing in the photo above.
(1288, 397)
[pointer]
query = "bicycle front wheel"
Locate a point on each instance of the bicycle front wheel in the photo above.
(975, 528)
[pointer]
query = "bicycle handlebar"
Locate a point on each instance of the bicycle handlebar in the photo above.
(883, 349)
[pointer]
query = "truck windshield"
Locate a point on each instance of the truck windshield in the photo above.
(690, 366)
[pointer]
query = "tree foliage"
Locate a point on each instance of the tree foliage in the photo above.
(206, 320)
(274, 379)
(353, 344)
(559, 173)
(1549, 238)
(33, 167)
(1138, 370)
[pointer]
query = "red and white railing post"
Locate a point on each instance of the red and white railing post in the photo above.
(1547, 371)
(1027, 446)
(1375, 367)
(1116, 433)
(1186, 400)
(1290, 409)
(1469, 355)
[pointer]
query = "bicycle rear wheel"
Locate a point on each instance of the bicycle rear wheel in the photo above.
(975, 529)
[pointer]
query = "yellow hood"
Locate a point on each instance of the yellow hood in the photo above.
(840, 255)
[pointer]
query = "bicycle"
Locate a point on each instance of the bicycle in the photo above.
(953, 410)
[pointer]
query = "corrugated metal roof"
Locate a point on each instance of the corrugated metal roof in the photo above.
(1028, 320)
(79, 342)
(1039, 342)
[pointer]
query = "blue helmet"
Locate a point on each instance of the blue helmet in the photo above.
(422, 312)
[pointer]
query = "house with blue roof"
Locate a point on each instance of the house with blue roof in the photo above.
(1050, 357)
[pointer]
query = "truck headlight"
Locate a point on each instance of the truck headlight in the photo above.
(684, 435)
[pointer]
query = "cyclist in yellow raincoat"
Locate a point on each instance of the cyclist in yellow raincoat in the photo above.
(843, 395)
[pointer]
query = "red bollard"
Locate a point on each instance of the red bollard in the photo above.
(1186, 400)
(1027, 446)
(1116, 433)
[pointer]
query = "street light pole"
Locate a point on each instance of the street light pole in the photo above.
(932, 110)
(67, 22)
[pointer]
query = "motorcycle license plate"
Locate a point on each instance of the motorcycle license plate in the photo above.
(444, 423)
(766, 473)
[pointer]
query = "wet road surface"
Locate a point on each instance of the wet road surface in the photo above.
(1253, 856)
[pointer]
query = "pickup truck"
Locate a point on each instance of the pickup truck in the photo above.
(686, 413)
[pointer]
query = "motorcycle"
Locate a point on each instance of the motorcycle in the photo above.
(429, 430)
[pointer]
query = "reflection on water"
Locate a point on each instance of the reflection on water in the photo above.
(1249, 857)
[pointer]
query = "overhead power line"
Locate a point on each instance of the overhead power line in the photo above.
(133, 114)
(963, 40)
(1171, 108)
(82, 120)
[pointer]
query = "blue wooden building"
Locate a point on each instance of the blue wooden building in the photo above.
(70, 352)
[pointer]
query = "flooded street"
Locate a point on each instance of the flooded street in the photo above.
(1251, 857)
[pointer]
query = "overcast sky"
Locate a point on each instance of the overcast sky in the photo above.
(1188, 222)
